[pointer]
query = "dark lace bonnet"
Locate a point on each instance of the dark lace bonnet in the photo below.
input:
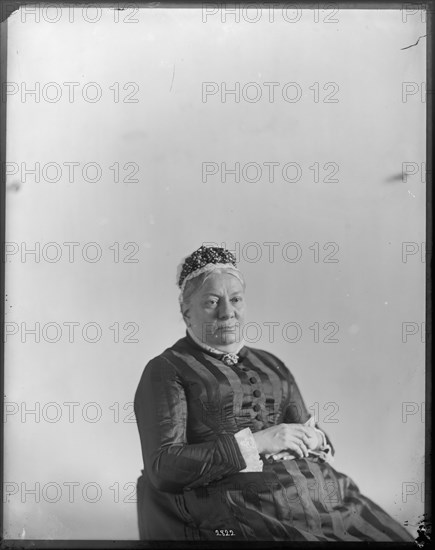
(206, 258)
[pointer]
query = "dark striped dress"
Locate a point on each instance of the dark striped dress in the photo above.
(188, 407)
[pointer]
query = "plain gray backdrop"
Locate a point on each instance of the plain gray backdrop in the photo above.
(81, 445)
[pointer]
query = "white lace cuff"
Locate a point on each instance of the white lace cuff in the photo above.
(249, 451)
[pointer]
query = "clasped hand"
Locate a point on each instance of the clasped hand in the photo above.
(282, 439)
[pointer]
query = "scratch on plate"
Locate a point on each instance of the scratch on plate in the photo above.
(412, 45)
(173, 76)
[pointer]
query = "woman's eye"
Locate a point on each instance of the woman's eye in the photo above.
(237, 299)
(211, 302)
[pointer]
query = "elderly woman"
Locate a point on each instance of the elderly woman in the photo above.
(229, 448)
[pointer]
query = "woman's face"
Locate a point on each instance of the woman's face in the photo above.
(216, 312)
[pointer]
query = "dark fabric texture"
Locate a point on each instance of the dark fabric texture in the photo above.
(188, 407)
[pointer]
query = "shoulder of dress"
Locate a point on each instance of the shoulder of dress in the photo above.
(172, 357)
(167, 353)
(165, 358)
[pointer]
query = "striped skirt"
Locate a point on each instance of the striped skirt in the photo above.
(295, 500)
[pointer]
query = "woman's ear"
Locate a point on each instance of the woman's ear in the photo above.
(185, 315)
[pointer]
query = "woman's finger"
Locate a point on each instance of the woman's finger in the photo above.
(279, 456)
(297, 449)
(306, 440)
(304, 449)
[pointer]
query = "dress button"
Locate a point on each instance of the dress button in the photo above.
(256, 407)
(256, 393)
(258, 417)
(252, 380)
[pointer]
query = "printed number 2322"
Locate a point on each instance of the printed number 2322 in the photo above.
(224, 532)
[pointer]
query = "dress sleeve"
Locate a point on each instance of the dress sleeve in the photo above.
(297, 412)
(171, 463)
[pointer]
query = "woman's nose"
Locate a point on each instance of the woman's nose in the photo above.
(226, 309)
